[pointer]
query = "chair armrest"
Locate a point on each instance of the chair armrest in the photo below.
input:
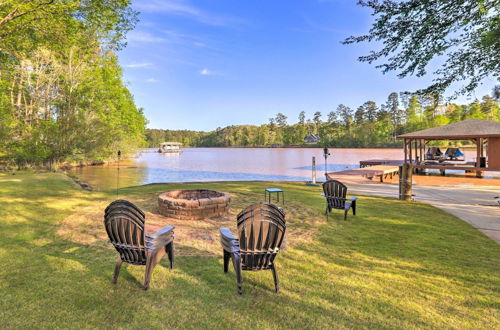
(160, 238)
(227, 234)
(228, 241)
(162, 232)
(353, 198)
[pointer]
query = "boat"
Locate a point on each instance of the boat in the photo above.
(170, 147)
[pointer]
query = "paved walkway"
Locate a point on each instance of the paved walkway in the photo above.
(474, 204)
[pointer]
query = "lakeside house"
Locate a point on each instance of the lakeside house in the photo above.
(311, 139)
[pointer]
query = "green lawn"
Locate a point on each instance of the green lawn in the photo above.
(394, 265)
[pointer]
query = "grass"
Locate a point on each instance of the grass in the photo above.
(394, 265)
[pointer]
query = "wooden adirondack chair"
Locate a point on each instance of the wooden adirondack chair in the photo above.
(261, 231)
(124, 224)
(335, 193)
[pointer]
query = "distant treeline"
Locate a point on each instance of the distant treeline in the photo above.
(369, 125)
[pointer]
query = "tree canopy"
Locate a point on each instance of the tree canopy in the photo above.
(62, 97)
(462, 35)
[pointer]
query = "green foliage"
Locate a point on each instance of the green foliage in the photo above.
(369, 126)
(62, 97)
(463, 34)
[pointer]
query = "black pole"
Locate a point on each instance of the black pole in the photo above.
(118, 172)
(326, 154)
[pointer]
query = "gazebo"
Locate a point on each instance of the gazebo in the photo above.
(484, 134)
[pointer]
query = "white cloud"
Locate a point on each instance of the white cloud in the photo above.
(152, 80)
(141, 36)
(183, 8)
(138, 65)
(206, 72)
(189, 40)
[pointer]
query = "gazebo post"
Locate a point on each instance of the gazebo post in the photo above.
(419, 151)
(411, 152)
(406, 157)
(416, 150)
(405, 171)
(479, 142)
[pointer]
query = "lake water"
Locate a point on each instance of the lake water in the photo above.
(227, 164)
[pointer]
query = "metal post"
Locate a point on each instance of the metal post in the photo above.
(326, 154)
(118, 172)
(313, 170)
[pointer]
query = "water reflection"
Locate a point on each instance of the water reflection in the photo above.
(226, 164)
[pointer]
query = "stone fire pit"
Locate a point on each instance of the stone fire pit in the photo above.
(193, 204)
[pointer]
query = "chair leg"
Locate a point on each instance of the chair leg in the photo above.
(117, 270)
(276, 280)
(170, 253)
(227, 256)
(345, 214)
(354, 207)
(237, 268)
(149, 270)
(326, 212)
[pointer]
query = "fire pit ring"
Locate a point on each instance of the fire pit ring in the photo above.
(194, 204)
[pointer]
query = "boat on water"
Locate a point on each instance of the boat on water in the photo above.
(170, 147)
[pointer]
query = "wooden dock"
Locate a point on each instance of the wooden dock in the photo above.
(374, 162)
(381, 171)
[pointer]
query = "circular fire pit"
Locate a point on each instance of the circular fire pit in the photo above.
(193, 204)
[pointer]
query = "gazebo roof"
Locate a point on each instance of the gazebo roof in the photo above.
(467, 129)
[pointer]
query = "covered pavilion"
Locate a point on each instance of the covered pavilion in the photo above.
(484, 134)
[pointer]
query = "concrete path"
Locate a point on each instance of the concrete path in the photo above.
(474, 204)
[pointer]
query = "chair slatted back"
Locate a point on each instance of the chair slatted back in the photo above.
(261, 229)
(335, 193)
(124, 224)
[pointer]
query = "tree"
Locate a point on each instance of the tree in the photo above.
(302, 117)
(490, 108)
(66, 97)
(332, 117)
(24, 25)
(464, 34)
(359, 115)
(346, 114)
(272, 123)
(413, 114)
(395, 113)
(496, 92)
(370, 110)
(317, 118)
(281, 120)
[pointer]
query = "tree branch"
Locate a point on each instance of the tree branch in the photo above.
(13, 14)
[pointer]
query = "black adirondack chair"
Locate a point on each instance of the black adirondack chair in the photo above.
(124, 224)
(335, 193)
(261, 231)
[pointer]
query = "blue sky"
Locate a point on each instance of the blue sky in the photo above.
(203, 64)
